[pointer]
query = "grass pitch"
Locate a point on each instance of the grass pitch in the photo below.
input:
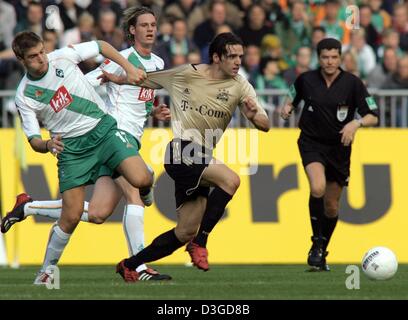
(255, 282)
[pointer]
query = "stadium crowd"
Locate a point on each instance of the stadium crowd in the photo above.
(280, 36)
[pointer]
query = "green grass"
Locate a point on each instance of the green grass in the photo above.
(254, 282)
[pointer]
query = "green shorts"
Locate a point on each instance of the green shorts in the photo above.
(83, 156)
(106, 171)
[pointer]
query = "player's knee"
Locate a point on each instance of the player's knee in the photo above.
(185, 235)
(145, 180)
(232, 184)
(97, 219)
(331, 209)
(318, 190)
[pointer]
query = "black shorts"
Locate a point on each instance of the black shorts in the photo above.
(185, 162)
(334, 157)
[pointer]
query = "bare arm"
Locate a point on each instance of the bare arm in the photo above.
(349, 130)
(251, 111)
(134, 75)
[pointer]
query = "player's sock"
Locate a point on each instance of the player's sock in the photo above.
(216, 203)
(51, 209)
(316, 210)
(328, 226)
(164, 245)
(57, 241)
(133, 228)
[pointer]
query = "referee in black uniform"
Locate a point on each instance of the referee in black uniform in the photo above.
(331, 98)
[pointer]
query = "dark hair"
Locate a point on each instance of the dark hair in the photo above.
(264, 63)
(130, 17)
(319, 28)
(219, 44)
(23, 41)
(328, 44)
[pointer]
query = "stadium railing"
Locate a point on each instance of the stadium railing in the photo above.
(393, 108)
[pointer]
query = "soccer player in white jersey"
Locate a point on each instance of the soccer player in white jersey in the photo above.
(130, 106)
(203, 100)
(83, 136)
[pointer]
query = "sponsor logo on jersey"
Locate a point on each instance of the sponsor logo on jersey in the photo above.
(38, 93)
(342, 112)
(223, 95)
(59, 73)
(61, 99)
(146, 94)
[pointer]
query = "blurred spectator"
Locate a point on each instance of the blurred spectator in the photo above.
(250, 63)
(82, 33)
(335, 28)
(269, 77)
(7, 25)
(365, 54)
(303, 58)
(180, 9)
(204, 51)
(390, 39)
(69, 13)
(202, 13)
(380, 18)
(398, 79)
(254, 28)
(179, 44)
(349, 62)
(206, 31)
(165, 30)
(318, 34)
(400, 24)
(273, 10)
(372, 36)
(34, 21)
(271, 47)
(194, 57)
(50, 38)
(108, 31)
(377, 77)
(296, 29)
(155, 5)
(98, 6)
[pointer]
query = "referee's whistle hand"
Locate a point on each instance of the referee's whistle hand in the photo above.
(348, 132)
(286, 111)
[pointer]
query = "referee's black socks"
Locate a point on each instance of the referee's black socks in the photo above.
(216, 203)
(164, 245)
(328, 225)
(316, 209)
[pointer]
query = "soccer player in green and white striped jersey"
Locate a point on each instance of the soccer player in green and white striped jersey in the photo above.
(84, 137)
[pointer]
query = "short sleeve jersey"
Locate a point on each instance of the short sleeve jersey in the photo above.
(62, 99)
(129, 105)
(201, 107)
(327, 110)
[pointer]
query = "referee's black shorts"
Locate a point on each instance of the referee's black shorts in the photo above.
(185, 162)
(334, 157)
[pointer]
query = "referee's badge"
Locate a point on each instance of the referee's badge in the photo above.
(342, 112)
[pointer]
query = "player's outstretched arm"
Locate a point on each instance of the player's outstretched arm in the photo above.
(259, 119)
(134, 75)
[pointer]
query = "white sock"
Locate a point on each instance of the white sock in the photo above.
(50, 209)
(56, 244)
(133, 226)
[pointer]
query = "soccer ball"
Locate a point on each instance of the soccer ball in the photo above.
(379, 263)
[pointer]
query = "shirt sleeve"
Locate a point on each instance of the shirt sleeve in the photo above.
(164, 78)
(364, 103)
(249, 91)
(29, 121)
(78, 52)
(295, 92)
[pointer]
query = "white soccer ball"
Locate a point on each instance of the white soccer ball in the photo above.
(379, 263)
